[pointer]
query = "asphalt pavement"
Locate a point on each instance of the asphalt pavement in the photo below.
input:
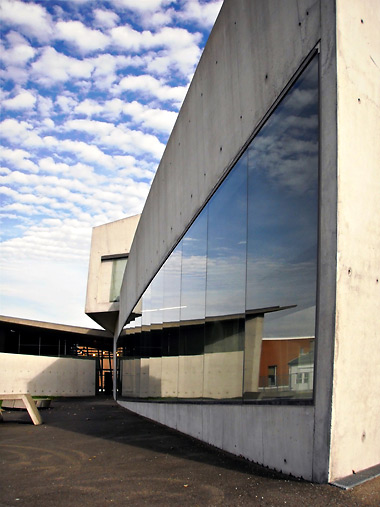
(92, 452)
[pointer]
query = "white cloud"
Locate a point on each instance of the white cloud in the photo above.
(20, 133)
(106, 66)
(89, 107)
(157, 119)
(120, 137)
(159, 18)
(84, 38)
(88, 152)
(141, 6)
(151, 86)
(203, 13)
(19, 159)
(31, 19)
(45, 108)
(54, 67)
(20, 51)
(16, 74)
(23, 100)
(128, 38)
(106, 19)
(66, 103)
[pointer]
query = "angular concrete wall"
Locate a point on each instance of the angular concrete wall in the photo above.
(280, 437)
(355, 440)
(253, 51)
(47, 376)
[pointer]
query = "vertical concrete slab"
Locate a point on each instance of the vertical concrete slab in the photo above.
(252, 427)
(355, 438)
(296, 451)
(212, 426)
(325, 323)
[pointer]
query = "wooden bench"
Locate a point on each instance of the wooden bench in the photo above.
(29, 403)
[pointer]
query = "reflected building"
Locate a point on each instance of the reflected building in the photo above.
(227, 321)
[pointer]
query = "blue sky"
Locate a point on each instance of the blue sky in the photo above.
(90, 91)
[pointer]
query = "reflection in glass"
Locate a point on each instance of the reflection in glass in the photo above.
(193, 301)
(231, 314)
(193, 283)
(283, 229)
(171, 315)
(226, 244)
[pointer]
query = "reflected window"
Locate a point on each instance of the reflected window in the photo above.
(272, 375)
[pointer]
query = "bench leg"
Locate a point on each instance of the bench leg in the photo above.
(32, 409)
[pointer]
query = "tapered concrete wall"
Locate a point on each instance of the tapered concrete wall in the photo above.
(355, 440)
(47, 376)
(279, 437)
(253, 51)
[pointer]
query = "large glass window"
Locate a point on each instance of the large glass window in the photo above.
(231, 314)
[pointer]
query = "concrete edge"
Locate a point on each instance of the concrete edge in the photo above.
(355, 479)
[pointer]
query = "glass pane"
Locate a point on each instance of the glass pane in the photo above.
(283, 230)
(193, 283)
(226, 245)
(171, 317)
(225, 292)
(193, 297)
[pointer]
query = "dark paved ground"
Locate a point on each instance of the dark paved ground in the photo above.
(92, 452)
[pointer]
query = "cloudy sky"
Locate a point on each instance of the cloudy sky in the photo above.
(90, 92)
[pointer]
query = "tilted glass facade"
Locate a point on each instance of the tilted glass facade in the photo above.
(231, 313)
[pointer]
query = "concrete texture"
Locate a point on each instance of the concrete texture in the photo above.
(355, 438)
(46, 376)
(91, 452)
(280, 437)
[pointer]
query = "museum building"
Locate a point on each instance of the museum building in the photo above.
(247, 309)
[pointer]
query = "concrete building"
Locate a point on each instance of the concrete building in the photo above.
(248, 312)
(110, 246)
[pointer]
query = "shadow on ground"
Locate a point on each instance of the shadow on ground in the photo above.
(93, 452)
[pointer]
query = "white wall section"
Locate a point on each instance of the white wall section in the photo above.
(355, 441)
(46, 376)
